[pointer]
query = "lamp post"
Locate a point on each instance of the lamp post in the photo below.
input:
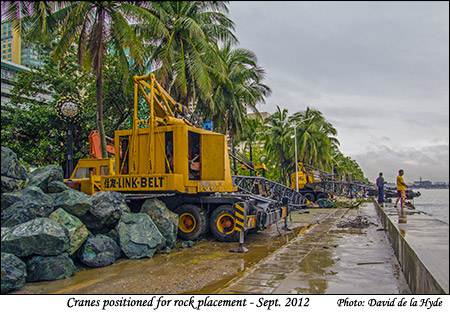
(296, 160)
(70, 110)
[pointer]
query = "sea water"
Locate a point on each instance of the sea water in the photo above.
(433, 202)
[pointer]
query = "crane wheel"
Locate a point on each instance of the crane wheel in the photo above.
(321, 195)
(192, 222)
(222, 224)
(309, 196)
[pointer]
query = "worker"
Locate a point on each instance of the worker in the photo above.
(380, 185)
(401, 189)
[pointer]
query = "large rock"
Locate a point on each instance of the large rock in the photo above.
(107, 208)
(164, 219)
(99, 251)
(139, 237)
(24, 211)
(40, 236)
(78, 233)
(325, 203)
(56, 186)
(41, 268)
(14, 272)
(73, 201)
(11, 166)
(30, 193)
(42, 176)
(9, 184)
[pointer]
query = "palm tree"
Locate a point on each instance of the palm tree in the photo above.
(95, 27)
(278, 140)
(315, 136)
(185, 57)
(251, 134)
(237, 88)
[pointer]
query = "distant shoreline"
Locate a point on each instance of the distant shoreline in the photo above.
(430, 187)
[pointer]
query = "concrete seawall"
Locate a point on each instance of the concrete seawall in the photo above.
(421, 245)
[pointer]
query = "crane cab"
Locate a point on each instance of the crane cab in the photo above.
(170, 158)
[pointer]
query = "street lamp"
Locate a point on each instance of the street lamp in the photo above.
(70, 110)
(296, 160)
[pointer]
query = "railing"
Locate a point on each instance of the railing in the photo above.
(268, 189)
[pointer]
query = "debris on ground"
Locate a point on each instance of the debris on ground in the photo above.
(357, 222)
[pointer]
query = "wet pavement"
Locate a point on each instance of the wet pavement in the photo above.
(315, 257)
(327, 259)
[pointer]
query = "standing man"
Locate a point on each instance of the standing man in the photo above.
(380, 185)
(401, 189)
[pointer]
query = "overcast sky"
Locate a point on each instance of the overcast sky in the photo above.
(378, 71)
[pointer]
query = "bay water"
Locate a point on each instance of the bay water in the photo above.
(433, 202)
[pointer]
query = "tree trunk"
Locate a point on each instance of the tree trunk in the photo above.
(101, 130)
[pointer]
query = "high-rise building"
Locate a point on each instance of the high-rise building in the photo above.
(15, 49)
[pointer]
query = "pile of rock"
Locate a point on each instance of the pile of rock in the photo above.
(46, 226)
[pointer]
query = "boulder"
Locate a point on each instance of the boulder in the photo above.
(78, 233)
(42, 176)
(164, 219)
(24, 211)
(139, 237)
(14, 272)
(107, 208)
(41, 268)
(30, 193)
(11, 166)
(40, 236)
(57, 186)
(73, 201)
(325, 203)
(9, 184)
(99, 251)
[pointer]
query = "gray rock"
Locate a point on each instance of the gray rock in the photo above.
(42, 176)
(78, 233)
(14, 272)
(57, 186)
(9, 184)
(24, 211)
(139, 236)
(40, 236)
(164, 219)
(40, 268)
(30, 193)
(325, 203)
(99, 251)
(11, 166)
(73, 201)
(107, 208)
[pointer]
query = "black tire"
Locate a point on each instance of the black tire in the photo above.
(192, 222)
(321, 195)
(222, 224)
(309, 196)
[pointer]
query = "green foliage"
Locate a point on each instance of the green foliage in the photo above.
(30, 126)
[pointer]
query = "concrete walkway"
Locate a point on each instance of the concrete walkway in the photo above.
(326, 259)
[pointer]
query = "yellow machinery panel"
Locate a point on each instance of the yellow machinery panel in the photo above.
(213, 167)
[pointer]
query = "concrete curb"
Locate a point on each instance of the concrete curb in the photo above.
(417, 275)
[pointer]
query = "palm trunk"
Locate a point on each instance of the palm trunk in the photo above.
(98, 64)
(101, 130)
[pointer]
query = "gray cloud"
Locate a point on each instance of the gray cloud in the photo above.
(379, 71)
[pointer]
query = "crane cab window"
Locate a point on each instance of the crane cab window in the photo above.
(169, 152)
(194, 155)
(123, 160)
